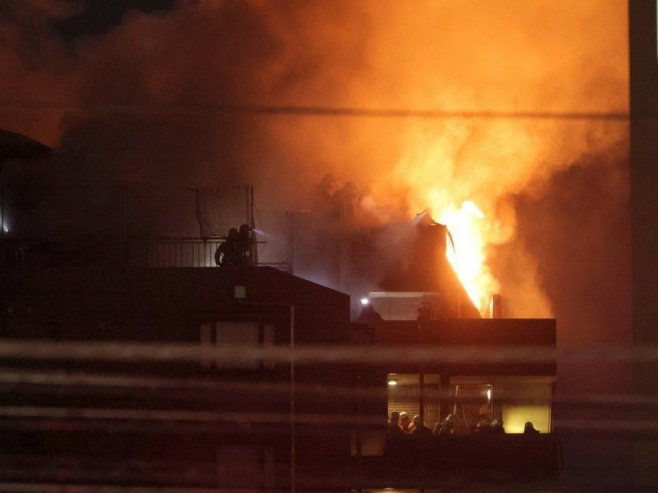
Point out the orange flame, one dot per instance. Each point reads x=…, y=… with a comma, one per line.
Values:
x=468, y=256
x=447, y=171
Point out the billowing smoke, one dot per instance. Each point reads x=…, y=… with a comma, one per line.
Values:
x=144, y=104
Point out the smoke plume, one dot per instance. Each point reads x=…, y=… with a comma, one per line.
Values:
x=144, y=104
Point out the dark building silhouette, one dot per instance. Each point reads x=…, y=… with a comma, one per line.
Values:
x=141, y=362
x=17, y=146
x=423, y=272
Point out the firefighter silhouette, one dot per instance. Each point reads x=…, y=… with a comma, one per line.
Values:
x=234, y=250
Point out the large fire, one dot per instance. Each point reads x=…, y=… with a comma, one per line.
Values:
x=468, y=253
x=462, y=59
x=450, y=171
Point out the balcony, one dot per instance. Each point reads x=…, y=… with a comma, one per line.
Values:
x=163, y=252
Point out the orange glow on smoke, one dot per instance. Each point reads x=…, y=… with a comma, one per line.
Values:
x=453, y=174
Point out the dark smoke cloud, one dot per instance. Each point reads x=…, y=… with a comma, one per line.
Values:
x=198, y=56
x=91, y=17
x=579, y=232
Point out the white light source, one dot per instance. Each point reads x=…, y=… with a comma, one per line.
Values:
x=392, y=382
x=489, y=394
x=365, y=301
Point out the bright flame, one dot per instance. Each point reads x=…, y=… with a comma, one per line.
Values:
x=468, y=256
x=454, y=170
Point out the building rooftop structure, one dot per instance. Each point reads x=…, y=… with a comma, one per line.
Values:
x=126, y=366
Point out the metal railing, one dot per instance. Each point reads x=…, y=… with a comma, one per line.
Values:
x=184, y=252
x=174, y=252
x=159, y=252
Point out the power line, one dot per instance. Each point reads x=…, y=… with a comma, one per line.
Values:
x=327, y=111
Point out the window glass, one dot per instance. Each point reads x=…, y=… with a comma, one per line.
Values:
x=405, y=394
